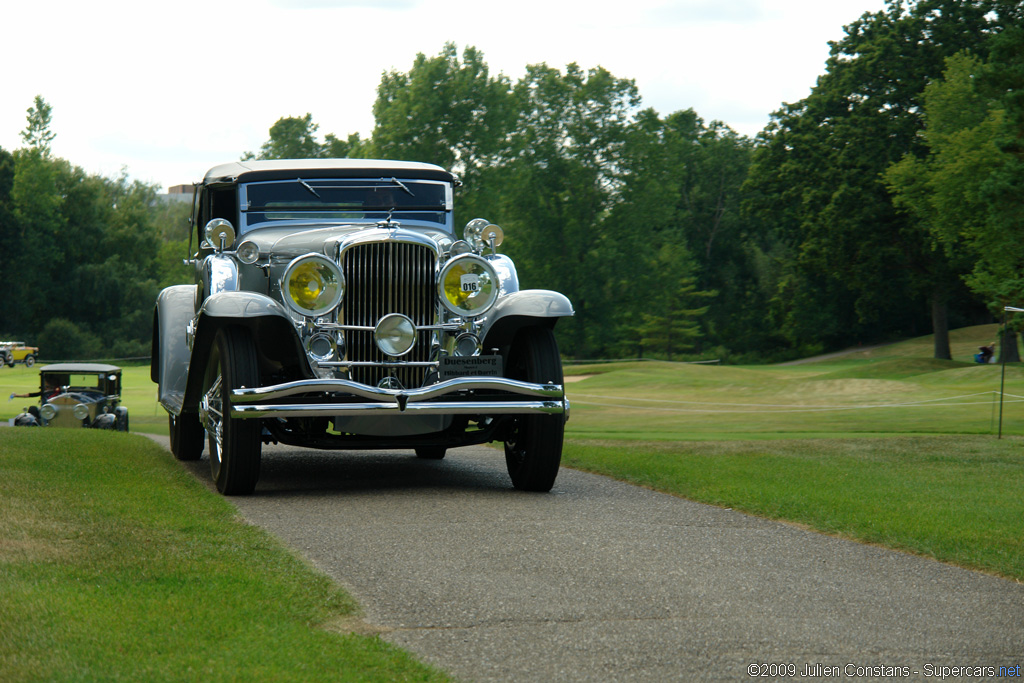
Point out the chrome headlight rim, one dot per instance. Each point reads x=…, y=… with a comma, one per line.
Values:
x=80, y=411
x=322, y=347
x=468, y=261
x=48, y=411
x=326, y=304
x=247, y=252
x=466, y=345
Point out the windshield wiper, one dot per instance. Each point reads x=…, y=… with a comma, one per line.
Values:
x=308, y=187
x=398, y=182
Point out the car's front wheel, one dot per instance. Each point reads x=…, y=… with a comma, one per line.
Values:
x=234, y=443
x=534, y=449
x=30, y=361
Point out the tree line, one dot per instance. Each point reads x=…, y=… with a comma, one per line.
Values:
x=82, y=257
x=886, y=203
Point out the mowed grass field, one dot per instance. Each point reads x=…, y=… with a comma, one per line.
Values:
x=117, y=565
x=884, y=445
x=894, y=389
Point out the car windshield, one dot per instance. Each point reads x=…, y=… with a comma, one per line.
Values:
x=345, y=200
x=81, y=381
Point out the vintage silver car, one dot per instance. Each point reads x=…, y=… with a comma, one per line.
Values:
x=77, y=395
x=335, y=307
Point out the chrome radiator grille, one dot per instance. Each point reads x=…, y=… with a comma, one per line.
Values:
x=382, y=278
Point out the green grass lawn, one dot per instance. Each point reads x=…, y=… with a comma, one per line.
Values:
x=115, y=564
x=896, y=389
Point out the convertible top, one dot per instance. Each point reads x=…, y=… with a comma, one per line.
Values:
x=283, y=169
x=72, y=368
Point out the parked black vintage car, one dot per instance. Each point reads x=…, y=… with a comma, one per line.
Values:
x=77, y=395
x=335, y=307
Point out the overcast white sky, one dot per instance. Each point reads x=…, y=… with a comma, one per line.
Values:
x=167, y=90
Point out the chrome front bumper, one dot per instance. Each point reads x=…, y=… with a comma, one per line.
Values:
x=546, y=399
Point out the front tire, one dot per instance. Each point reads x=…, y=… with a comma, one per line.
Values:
x=234, y=443
x=533, y=452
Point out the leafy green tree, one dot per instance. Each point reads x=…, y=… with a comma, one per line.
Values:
x=83, y=249
x=295, y=137
x=352, y=147
x=37, y=133
x=291, y=137
x=10, y=243
x=33, y=271
x=862, y=269
x=562, y=179
x=944, y=190
x=451, y=112
x=998, y=273
x=61, y=339
x=670, y=323
x=967, y=188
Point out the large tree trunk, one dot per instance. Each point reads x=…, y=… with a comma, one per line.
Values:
x=1008, y=351
x=940, y=326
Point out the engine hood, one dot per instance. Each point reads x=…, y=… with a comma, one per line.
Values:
x=286, y=243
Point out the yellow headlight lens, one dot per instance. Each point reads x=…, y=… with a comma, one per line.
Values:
x=312, y=285
x=468, y=285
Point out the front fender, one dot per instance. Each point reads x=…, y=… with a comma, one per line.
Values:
x=175, y=308
x=523, y=309
x=268, y=322
x=241, y=305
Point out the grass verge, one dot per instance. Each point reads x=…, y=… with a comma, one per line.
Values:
x=953, y=498
x=115, y=564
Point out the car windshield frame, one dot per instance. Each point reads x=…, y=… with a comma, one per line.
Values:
x=305, y=200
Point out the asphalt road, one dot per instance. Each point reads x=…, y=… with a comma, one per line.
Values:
x=601, y=580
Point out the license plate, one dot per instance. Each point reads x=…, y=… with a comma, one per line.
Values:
x=470, y=366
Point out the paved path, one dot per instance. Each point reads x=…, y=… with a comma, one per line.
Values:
x=601, y=580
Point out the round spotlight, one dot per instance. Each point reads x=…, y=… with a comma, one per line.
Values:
x=466, y=344
x=247, y=252
x=321, y=347
x=395, y=334
x=48, y=411
x=312, y=285
x=461, y=247
x=80, y=411
x=472, y=231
